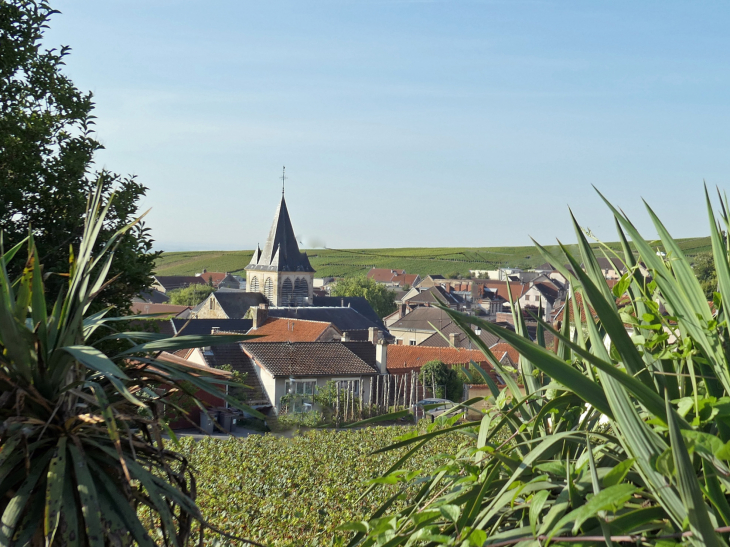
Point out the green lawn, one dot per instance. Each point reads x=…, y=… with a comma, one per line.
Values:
x=346, y=262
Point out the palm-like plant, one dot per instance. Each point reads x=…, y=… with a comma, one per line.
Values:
x=82, y=455
x=621, y=434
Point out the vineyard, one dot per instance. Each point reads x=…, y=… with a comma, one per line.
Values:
x=296, y=491
x=422, y=261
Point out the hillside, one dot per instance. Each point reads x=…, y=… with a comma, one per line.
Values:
x=423, y=261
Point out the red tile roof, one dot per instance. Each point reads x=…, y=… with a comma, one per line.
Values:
x=290, y=330
x=414, y=357
x=500, y=287
x=501, y=348
x=384, y=275
x=216, y=277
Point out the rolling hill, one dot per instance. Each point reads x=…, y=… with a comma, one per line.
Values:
x=423, y=261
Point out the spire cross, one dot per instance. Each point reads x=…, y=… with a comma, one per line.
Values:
x=283, y=178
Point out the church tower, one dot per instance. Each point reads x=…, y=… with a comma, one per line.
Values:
x=280, y=271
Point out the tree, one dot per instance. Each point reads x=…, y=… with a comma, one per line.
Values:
x=192, y=295
x=378, y=296
x=704, y=267
x=46, y=162
x=448, y=385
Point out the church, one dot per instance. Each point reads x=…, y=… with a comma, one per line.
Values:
x=281, y=272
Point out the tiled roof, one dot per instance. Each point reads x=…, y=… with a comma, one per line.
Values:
x=235, y=304
x=503, y=347
x=364, y=350
x=384, y=275
x=345, y=319
x=206, y=326
x=420, y=318
x=152, y=296
x=359, y=303
x=400, y=357
x=307, y=359
x=232, y=354
x=579, y=300
x=500, y=287
x=213, y=277
x=610, y=264
x=146, y=308
x=462, y=340
x=434, y=295
x=406, y=279
x=290, y=330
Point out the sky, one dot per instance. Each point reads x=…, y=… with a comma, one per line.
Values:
x=406, y=123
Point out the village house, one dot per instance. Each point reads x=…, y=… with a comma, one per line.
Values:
x=277, y=329
x=276, y=369
x=227, y=304
x=393, y=278
x=418, y=324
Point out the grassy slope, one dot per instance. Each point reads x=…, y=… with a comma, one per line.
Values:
x=423, y=261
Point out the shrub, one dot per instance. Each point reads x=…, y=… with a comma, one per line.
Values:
x=448, y=384
x=192, y=295
x=622, y=435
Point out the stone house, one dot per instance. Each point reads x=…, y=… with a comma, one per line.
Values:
x=224, y=304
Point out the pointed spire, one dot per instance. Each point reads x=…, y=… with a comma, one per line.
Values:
x=281, y=252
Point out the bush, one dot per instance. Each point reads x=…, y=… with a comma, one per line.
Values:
x=378, y=296
x=192, y=295
x=448, y=383
x=624, y=433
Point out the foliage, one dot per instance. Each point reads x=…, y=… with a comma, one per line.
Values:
x=81, y=432
x=704, y=267
x=237, y=390
x=448, y=382
x=313, y=418
x=192, y=295
x=296, y=491
x=377, y=295
x=46, y=155
x=620, y=433
x=422, y=261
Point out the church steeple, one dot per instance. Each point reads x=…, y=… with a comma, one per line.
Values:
x=281, y=251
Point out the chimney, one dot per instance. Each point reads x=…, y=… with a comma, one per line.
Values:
x=373, y=335
x=342, y=302
x=345, y=336
x=381, y=356
x=403, y=308
x=214, y=330
x=447, y=286
x=452, y=339
x=260, y=315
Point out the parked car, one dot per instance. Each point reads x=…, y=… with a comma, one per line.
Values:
x=444, y=406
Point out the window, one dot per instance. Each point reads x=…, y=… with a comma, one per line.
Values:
x=411, y=342
x=211, y=303
x=301, y=292
x=527, y=297
x=287, y=290
x=254, y=284
x=269, y=290
x=299, y=395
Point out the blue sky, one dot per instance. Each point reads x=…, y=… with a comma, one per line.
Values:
x=406, y=123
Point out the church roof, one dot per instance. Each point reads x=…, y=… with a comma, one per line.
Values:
x=281, y=252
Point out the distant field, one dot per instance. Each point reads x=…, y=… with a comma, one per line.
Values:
x=423, y=261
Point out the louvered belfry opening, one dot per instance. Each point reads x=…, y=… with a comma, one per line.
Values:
x=287, y=293
x=269, y=290
x=254, y=284
x=301, y=291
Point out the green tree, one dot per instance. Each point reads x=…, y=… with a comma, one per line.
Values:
x=447, y=381
x=704, y=267
x=192, y=295
x=378, y=296
x=46, y=162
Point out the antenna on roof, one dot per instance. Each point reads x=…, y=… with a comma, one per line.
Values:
x=283, y=178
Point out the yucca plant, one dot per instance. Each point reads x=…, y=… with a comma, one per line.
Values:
x=82, y=457
x=619, y=434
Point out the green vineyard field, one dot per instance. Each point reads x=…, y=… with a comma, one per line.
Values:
x=348, y=262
